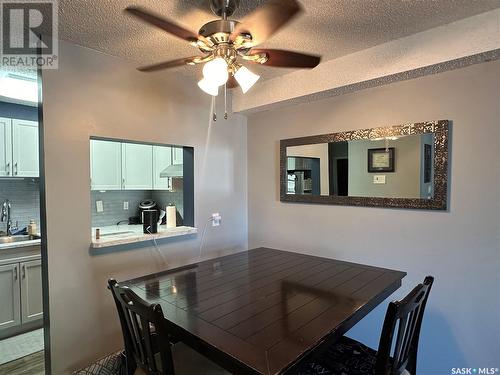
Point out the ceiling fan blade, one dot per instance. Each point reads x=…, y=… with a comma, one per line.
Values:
x=287, y=59
x=164, y=24
x=266, y=20
x=166, y=64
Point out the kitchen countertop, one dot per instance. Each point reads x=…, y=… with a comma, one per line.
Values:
x=20, y=252
x=114, y=235
x=14, y=245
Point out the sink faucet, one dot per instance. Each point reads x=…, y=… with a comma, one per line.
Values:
x=6, y=215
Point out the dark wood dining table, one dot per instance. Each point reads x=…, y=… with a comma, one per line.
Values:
x=262, y=310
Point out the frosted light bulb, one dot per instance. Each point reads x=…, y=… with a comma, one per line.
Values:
x=246, y=79
x=215, y=71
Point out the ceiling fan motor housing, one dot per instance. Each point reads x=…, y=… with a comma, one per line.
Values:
x=218, y=31
x=223, y=8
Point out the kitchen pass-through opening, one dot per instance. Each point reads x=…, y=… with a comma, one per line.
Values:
x=139, y=191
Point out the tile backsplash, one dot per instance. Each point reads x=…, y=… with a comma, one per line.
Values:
x=113, y=204
x=24, y=197
x=164, y=198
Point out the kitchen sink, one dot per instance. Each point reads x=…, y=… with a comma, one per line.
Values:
x=17, y=238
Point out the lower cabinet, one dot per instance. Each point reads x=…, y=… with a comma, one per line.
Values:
x=10, y=295
x=31, y=291
x=20, y=293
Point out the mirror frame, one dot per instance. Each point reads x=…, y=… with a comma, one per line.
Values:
x=440, y=129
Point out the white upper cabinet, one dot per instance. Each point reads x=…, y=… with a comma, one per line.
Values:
x=137, y=166
x=132, y=166
x=177, y=153
x=105, y=165
x=162, y=158
x=5, y=147
x=25, y=148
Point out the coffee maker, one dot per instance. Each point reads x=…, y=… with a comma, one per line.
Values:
x=150, y=221
x=146, y=205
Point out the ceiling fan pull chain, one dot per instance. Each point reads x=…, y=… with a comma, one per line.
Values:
x=225, y=101
x=214, y=114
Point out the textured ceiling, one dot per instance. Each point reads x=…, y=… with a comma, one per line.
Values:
x=331, y=28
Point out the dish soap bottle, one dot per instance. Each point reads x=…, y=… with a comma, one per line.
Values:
x=32, y=228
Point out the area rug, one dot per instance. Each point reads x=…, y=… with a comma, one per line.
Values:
x=16, y=347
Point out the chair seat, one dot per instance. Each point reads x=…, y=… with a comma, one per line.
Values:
x=345, y=357
x=112, y=364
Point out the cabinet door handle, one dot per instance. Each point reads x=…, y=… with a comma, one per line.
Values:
x=7, y=168
x=123, y=183
x=15, y=169
x=24, y=271
x=15, y=273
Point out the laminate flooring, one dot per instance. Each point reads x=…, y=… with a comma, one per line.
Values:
x=33, y=364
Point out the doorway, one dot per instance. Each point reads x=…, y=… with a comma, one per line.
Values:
x=338, y=168
x=343, y=176
x=23, y=264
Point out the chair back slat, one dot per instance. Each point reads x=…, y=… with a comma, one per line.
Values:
x=410, y=332
x=400, y=337
x=146, y=328
x=131, y=331
x=141, y=342
x=403, y=321
x=136, y=332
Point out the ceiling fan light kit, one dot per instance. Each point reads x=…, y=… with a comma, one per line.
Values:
x=215, y=71
x=225, y=43
x=208, y=87
x=245, y=78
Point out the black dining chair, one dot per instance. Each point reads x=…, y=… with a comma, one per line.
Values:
x=397, y=351
x=147, y=341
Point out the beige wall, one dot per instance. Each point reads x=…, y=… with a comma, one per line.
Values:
x=459, y=247
x=319, y=151
x=94, y=94
x=404, y=182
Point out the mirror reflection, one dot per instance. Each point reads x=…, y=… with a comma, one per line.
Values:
x=391, y=167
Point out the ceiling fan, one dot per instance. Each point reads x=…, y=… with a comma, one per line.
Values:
x=225, y=43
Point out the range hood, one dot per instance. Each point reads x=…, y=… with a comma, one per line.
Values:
x=174, y=170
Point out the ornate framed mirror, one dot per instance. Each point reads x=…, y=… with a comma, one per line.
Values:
x=403, y=166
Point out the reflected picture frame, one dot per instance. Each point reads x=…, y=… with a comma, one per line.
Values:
x=381, y=160
x=440, y=156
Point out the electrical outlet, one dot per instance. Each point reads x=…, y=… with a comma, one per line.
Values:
x=216, y=219
x=125, y=205
x=99, y=206
x=379, y=179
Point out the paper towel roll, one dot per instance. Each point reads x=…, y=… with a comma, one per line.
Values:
x=171, y=217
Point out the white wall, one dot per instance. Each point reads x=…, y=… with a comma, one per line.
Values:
x=461, y=247
x=95, y=94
